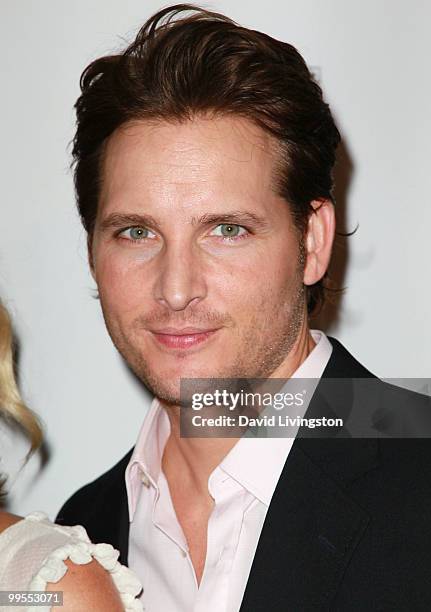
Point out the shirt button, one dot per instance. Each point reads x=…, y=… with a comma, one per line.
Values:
x=183, y=553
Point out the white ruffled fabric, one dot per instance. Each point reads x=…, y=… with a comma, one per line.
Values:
x=80, y=550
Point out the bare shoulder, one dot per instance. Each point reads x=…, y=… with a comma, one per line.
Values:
x=7, y=520
x=87, y=587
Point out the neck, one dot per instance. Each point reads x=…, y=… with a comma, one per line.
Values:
x=196, y=458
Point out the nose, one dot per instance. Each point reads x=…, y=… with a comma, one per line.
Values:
x=180, y=281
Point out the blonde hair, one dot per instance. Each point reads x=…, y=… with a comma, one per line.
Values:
x=12, y=407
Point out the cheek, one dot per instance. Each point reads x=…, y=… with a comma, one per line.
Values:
x=257, y=284
x=121, y=283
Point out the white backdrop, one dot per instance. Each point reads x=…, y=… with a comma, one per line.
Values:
x=373, y=60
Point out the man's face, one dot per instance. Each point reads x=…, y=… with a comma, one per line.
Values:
x=191, y=234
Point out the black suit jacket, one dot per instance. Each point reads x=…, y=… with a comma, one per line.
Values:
x=348, y=527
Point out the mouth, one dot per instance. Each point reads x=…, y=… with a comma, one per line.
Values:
x=182, y=338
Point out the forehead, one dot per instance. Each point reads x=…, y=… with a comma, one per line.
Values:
x=228, y=154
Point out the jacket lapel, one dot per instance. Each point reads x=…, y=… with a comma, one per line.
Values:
x=310, y=532
x=312, y=525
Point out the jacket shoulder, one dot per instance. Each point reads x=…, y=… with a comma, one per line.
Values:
x=342, y=364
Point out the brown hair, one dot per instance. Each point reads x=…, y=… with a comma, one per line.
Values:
x=12, y=408
x=187, y=61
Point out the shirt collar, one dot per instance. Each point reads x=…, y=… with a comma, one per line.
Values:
x=255, y=463
x=146, y=461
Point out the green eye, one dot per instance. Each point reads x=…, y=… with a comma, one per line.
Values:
x=137, y=233
x=229, y=230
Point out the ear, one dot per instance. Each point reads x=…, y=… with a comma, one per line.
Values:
x=318, y=241
x=90, y=255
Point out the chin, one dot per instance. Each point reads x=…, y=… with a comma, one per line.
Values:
x=166, y=384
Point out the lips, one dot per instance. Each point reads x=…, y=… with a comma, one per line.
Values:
x=182, y=338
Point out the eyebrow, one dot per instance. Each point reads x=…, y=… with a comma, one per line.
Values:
x=119, y=220
x=234, y=216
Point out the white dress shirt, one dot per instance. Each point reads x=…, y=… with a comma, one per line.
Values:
x=242, y=486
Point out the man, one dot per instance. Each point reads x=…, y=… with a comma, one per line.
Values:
x=204, y=158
